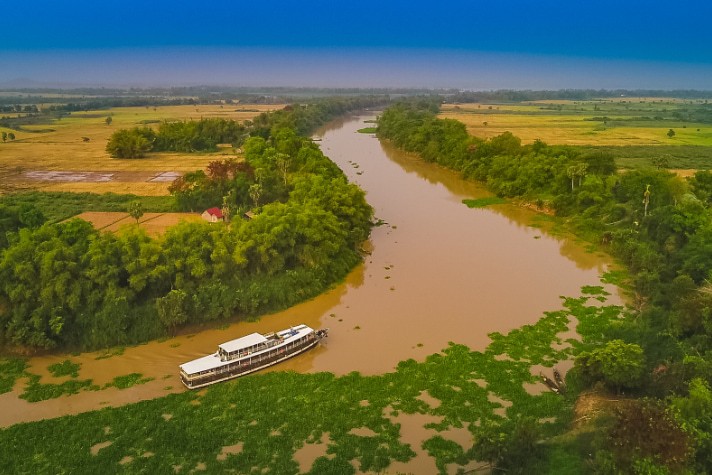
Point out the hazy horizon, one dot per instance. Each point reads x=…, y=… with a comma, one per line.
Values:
x=473, y=44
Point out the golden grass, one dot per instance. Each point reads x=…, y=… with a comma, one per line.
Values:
x=102, y=219
x=155, y=224
x=567, y=127
x=66, y=149
x=122, y=188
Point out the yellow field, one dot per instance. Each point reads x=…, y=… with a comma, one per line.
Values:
x=154, y=223
x=568, y=127
x=66, y=148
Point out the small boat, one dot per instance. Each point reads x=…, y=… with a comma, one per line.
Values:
x=248, y=354
x=559, y=381
x=550, y=383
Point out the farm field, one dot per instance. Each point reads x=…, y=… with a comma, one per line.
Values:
x=69, y=154
x=611, y=122
x=155, y=224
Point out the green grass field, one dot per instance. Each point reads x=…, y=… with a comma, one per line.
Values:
x=634, y=130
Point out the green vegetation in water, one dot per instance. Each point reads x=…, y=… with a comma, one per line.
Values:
x=483, y=202
x=65, y=368
x=10, y=370
x=367, y=130
x=272, y=415
x=36, y=391
x=617, y=277
x=124, y=382
x=595, y=290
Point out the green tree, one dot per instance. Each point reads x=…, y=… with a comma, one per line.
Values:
x=617, y=364
x=108, y=120
x=701, y=184
x=135, y=210
x=171, y=309
x=510, y=445
x=643, y=430
x=695, y=410
x=4, y=136
x=697, y=255
x=188, y=250
x=194, y=191
x=131, y=143
x=143, y=263
x=11, y=136
x=43, y=280
x=670, y=133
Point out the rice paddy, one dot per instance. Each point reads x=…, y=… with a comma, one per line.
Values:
x=611, y=122
x=155, y=224
x=75, y=145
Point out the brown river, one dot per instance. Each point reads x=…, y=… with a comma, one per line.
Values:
x=437, y=272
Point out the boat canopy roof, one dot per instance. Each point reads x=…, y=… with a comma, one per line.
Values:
x=243, y=342
x=202, y=364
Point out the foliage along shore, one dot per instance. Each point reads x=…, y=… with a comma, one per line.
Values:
x=67, y=285
x=660, y=226
x=261, y=421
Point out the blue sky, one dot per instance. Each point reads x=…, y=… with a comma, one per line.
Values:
x=465, y=44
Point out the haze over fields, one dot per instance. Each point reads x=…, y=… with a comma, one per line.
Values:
x=520, y=44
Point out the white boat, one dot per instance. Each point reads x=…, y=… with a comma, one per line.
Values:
x=248, y=354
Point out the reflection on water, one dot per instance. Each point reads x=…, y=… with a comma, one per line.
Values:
x=438, y=272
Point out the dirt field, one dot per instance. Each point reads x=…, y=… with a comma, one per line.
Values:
x=76, y=144
x=155, y=224
x=570, y=122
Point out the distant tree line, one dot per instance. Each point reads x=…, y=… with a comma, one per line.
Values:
x=304, y=118
x=111, y=102
x=513, y=95
x=18, y=108
x=187, y=136
x=68, y=285
x=660, y=226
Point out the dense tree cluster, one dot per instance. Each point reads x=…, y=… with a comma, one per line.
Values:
x=14, y=217
x=305, y=118
x=187, y=136
x=560, y=175
x=658, y=224
x=131, y=143
x=69, y=285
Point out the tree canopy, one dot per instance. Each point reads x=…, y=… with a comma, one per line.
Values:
x=99, y=289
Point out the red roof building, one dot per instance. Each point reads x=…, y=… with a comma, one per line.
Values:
x=212, y=215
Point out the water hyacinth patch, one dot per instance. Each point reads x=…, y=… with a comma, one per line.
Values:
x=275, y=414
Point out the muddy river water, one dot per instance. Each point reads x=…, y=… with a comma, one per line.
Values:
x=437, y=272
